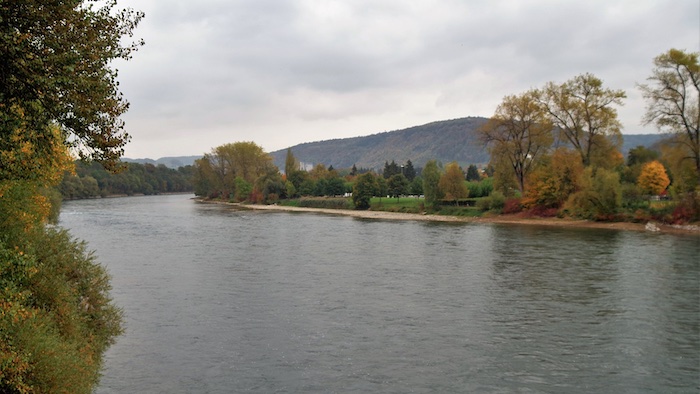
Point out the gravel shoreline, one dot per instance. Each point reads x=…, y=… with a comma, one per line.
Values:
x=499, y=219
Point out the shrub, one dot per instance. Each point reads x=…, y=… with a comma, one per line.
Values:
x=543, y=212
x=687, y=210
x=512, y=205
x=56, y=316
x=494, y=202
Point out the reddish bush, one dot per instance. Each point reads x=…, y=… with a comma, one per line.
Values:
x=641, y=216
x=256, y=197
x=512, y=205
x=688, y=210
x=543, y=212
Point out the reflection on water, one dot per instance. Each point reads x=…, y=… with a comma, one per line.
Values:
x=221, y=301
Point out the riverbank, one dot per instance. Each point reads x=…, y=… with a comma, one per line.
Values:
x=497, y=219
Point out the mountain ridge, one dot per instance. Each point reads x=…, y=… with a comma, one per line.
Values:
x=445, y=141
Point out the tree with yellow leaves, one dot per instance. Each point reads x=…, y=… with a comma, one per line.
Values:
x=653, y=178
x=452, y=183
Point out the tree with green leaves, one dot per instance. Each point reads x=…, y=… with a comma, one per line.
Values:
x=673, y=100
x=416, y=186
x=473, y=173
x=582, y=110
x=431, y=184
x=56, y=68
x=408, y=171
x=599, y=197
x=390, y=169
x=363, y=190
x=397, y=185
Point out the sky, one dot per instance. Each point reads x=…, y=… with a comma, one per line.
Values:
x=280, y=73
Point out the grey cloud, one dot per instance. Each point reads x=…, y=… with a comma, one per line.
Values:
x=254, y=67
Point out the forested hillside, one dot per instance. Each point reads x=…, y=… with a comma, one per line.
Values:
x=449, y=140
x=444, y=141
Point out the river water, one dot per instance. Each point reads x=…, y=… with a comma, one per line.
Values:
x=222, y=301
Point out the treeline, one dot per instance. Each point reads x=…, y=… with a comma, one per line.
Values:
x=556, y=149
x=242, y=172
x=92, y=180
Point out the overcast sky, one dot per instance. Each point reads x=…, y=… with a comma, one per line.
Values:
x=281, y=73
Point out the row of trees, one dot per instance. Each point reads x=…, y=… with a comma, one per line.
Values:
x=92, y=180
x=58, y=98
x=243, y=172
x=558, y=146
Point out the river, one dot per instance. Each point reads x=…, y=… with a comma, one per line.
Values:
x=218, y=300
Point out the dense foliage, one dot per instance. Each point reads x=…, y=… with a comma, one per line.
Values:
x=584, y=174
x=56, y=316
x=55, y=68
x=92, y=180
x=57, y=91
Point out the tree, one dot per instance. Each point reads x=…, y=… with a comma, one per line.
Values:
x=416, y=187
x=600, y=195
x=382, y=187
x=364, y=190
x=409, y=172
x=653, y=178
x=452, y=183
x=431, y=184
x=473, y=173
x=397, y=185
x=641, y=155
x=215, y=174
x=636, y=158
x=674, y=155
x=581, y=108
x=291, y=163
x=519, y=133
x=319, y=172
x=551, y=184
x=335, y=187
x=55, y=68
x=390, y=169
x=673, y=100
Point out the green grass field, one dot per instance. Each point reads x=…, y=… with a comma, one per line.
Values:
x=403, y=204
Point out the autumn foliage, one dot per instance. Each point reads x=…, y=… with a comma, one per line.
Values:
x=653, y=178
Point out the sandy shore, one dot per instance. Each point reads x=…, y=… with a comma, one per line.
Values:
x=505, y=219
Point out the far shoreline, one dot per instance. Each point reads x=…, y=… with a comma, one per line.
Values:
x=496, y=219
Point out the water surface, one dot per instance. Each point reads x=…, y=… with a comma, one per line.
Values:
x=221, y=301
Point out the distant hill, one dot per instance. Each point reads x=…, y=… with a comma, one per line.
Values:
x=170, y=162
x=632, y=141
x=445, y=141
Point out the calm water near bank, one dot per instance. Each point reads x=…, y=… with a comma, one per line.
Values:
x=222, y=301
